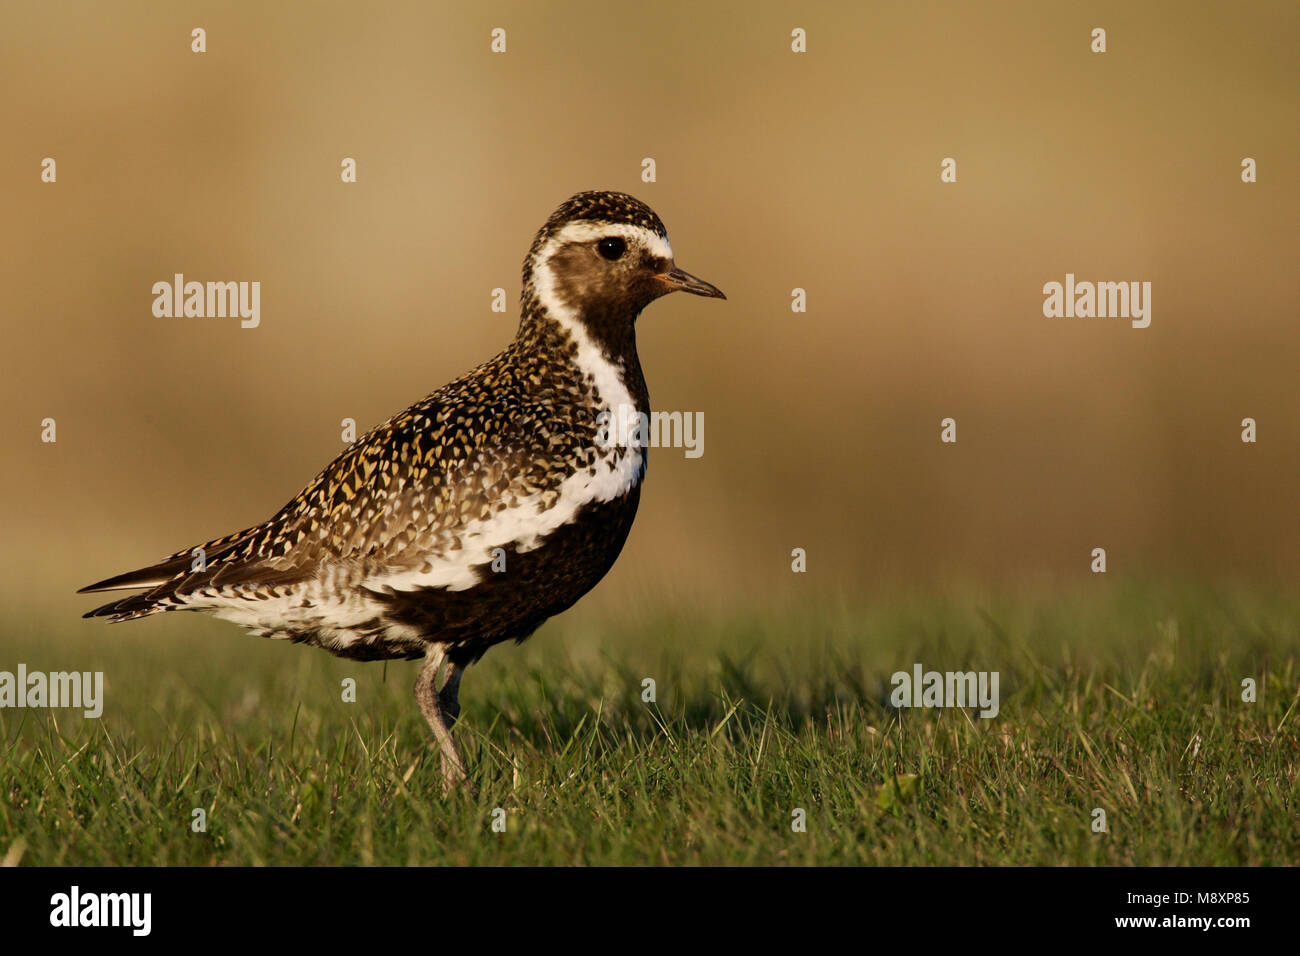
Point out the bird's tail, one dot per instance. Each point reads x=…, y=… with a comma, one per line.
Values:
x=167, y=582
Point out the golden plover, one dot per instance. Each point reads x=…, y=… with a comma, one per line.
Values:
x=477, y=513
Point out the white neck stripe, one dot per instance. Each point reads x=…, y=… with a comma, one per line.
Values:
x=605, y=374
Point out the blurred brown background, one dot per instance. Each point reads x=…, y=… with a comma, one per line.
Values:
x=775, y=170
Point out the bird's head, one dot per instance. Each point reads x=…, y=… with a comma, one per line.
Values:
x=600, y=259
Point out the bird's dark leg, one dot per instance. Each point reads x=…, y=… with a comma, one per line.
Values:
x=449, y=695
x=430, y=701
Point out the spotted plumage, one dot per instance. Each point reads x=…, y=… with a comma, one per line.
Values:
x=477, y=513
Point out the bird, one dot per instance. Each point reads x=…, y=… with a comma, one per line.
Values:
x=482, y=510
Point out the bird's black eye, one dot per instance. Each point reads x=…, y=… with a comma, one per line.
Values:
x=612, y=247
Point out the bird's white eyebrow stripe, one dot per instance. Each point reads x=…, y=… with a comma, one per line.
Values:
x=584, y=230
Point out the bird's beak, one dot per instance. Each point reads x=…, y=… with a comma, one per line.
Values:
x=680, y=280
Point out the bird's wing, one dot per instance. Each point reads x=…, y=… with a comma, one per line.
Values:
x=401, y=495
x=412, y=485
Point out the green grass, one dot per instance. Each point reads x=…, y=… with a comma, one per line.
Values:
x=1125, y=700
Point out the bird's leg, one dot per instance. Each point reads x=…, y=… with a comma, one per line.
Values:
x=448, y=696
x=449, y=700
x=426, y=695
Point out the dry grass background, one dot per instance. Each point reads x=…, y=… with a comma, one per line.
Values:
x=775, y=171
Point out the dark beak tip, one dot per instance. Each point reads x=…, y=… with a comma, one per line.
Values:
x=681, y=281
